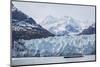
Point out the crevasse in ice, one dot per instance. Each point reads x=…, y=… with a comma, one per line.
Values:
x=54, y=46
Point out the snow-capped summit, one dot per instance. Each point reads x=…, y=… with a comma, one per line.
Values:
x=61, y=26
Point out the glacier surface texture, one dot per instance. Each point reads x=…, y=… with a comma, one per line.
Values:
x=55, y=46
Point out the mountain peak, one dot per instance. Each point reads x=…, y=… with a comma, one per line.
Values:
x=90, y=30
x=93, y=25
x=13, y=7
x=60, y=26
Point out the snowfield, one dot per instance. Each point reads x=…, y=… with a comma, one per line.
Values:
x=55, y=46
x=61, y=26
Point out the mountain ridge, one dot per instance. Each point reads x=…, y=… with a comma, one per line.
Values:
x=90, y=30
x=25, y=27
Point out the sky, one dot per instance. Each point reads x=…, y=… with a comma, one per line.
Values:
x=39, y=11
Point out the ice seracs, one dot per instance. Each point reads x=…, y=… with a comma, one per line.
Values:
x=67, y=46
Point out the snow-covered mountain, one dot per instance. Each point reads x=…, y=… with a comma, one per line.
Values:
x=25, y=27
x=90, y=30
x=61, y=26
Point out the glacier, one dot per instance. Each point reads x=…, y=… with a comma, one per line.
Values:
x=54, y=46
